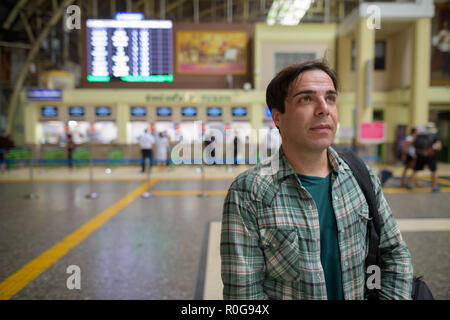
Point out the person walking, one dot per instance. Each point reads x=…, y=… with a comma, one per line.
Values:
x=70, y=148
x=295, y=226
x=146, y=142
x=162, y=148
x=409, y=156
x=426, y=144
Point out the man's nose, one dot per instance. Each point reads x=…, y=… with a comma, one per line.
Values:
x=322, y=108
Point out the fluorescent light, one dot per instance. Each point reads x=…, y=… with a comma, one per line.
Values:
x=287, y=12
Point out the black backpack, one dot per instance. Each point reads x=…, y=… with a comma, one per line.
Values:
x=420, y=290
x=423, y=141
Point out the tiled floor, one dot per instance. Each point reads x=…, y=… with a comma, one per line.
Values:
x=128, y=247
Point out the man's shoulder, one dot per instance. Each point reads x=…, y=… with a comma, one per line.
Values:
x=255, y=184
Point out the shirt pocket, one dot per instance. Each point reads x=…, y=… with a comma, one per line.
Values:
x=281, y=250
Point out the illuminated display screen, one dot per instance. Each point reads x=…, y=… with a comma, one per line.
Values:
x=214, y=111
x=49, y=111
x=239, y=111
x=138, y=111
x=76, y=111
x=164, y=111
x=129, y=50
x=189, y=111
x=103, y=111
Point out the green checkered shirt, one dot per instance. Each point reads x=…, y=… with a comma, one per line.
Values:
x=270, y=241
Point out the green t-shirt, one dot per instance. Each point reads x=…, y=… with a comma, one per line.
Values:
x=319, y=188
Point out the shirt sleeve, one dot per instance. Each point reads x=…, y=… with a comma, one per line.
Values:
x=395, y=258
x=242, y=257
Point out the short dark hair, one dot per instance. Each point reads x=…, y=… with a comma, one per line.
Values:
x=279, y=86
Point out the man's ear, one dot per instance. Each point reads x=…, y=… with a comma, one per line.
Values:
x=276, y=117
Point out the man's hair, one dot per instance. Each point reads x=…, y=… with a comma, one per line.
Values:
x=278, y=88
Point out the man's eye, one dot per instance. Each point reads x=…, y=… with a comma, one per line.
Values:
x=305, y=99
x=331, y=98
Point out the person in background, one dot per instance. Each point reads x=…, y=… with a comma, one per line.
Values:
x=70, y=148
x=5, y=145
x=409, y=156
x=146, y=141
x=295, y=226
x=162, y=148
x=427, y=144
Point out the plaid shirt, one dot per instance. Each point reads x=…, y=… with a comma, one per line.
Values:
x=270, y=241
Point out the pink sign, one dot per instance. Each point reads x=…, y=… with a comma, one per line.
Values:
x=372, y=131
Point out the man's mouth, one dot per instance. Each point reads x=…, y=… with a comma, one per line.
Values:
x=321, y=128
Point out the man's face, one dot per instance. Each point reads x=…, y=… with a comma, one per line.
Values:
x=310, y=119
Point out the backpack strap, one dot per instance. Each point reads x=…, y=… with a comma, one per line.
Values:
x=362, y=176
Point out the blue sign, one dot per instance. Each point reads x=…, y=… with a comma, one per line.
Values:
x=164, y=111
x=103, y=111
x=44, y=94
x=214, y=111
x=239, y=111
x=49, y=111
x=138, y=111
x=268, y=113
x=189, y=111
x=128, y=16
x=76, y=111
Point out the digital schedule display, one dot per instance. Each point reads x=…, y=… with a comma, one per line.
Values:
x=103, y=111
x=76, y=111
x=239, y=111
x=138, y=111
x=214, y=111
x=129, y=50
x=49, y=111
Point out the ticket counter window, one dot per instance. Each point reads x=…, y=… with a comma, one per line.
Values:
x=79, y=131
x=212, y=127
x=190, y=131
x=53, y=132
x=137, y=129
x=168, y=127
x=105, y=132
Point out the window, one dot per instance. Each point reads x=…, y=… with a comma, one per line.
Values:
x=379, y=56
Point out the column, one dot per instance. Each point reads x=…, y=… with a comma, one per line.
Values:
x=122, y=119
x=420, y=72
x=365, y=50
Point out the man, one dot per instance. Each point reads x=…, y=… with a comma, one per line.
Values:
x=427, y=144
x=409, y=156
x=299, y=232
x=146, y=141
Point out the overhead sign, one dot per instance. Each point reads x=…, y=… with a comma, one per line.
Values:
x=44, y=94
x=372, y=132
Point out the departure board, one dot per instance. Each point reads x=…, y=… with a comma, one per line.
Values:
x=129, y=50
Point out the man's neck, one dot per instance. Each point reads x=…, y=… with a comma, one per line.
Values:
x=309, y=163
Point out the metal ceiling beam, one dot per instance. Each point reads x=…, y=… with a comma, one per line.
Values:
x=27, y=27
x=12, y=105
x=13, y=14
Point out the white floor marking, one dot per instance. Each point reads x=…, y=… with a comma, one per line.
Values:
x=213, y=281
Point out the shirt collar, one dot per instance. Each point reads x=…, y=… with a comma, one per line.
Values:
x=286, y=169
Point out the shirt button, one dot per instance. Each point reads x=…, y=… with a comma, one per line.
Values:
x=346, y=263
x=319, y=277
x=336, y=198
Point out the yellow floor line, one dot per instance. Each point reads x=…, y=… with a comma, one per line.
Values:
x=439, y=180
x=18, y=280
